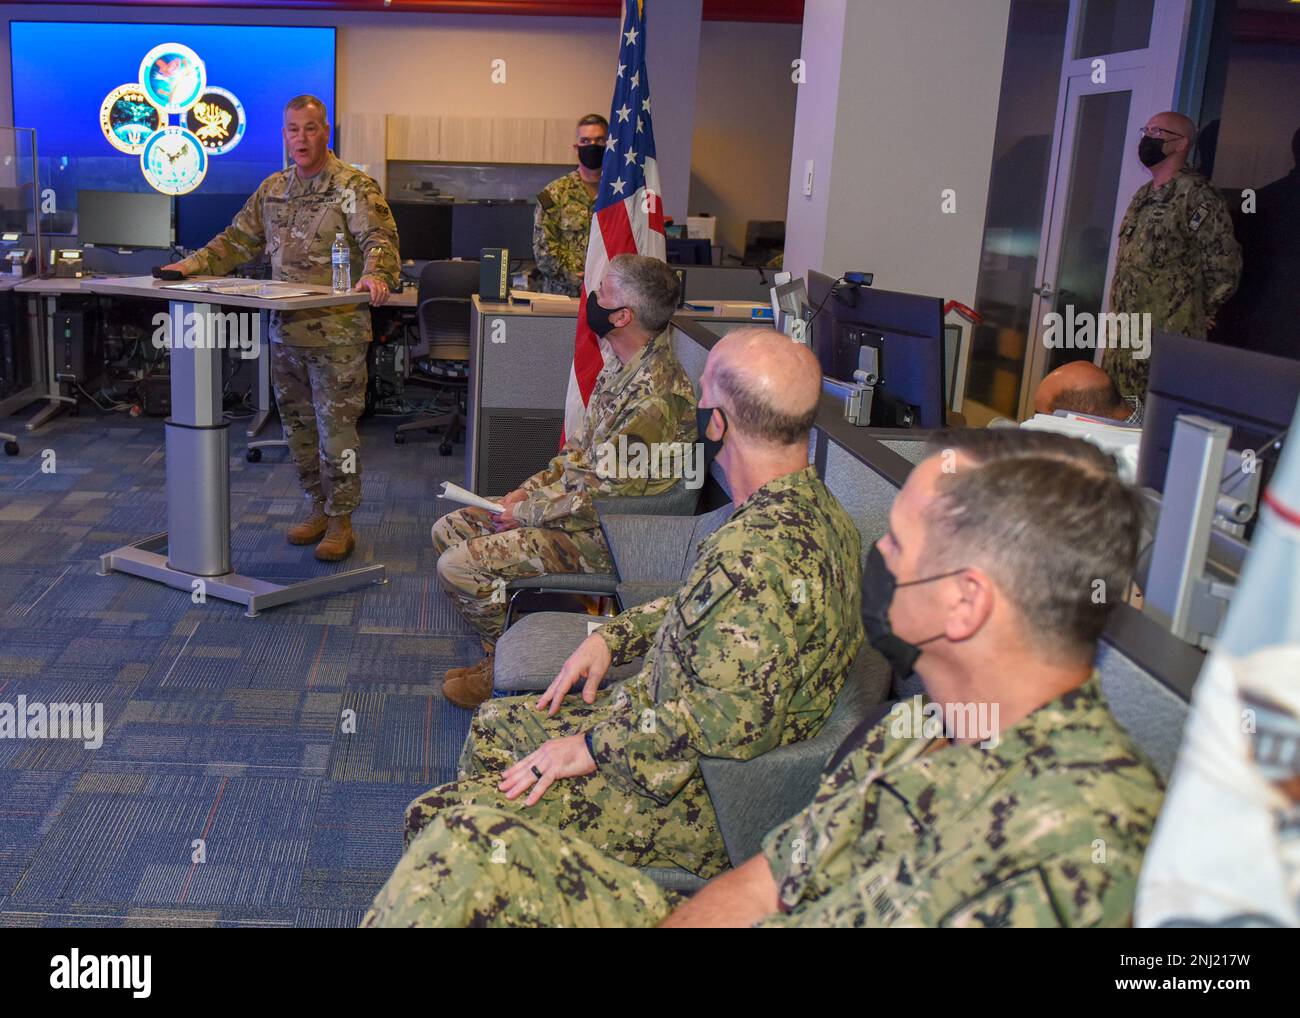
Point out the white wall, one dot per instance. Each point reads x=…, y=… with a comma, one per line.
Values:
x=911, y=112
x=808, y=216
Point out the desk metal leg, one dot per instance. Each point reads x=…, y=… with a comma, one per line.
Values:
x=58, y=401
x=148, y=559
x=194, y=553
x=265, y=404
x=263, y=411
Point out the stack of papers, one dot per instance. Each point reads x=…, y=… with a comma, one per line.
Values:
x=455, y=493
x=244, y=288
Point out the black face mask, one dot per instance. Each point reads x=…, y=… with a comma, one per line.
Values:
x=591, y=156
x=598, y=317
x=712, y=446
x=878, y=586
x=1151, y=151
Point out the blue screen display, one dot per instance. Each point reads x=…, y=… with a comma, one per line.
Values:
x=62, y=72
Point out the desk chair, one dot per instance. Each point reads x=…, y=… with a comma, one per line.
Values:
x=678, y=503
x=443, y=315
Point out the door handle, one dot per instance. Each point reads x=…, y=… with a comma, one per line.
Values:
x=1047, y=293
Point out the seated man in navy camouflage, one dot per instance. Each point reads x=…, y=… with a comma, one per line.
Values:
x=1009, y=797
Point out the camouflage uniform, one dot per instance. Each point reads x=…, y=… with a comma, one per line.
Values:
x=1177, y=260
x=561, y=229
x=902, y=832
x=750, y=654
x=318, y=357
x=649, y=401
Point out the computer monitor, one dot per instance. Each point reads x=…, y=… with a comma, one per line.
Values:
x=479, y=224
x=124, y=219
x=1253, y=393
x=905, y=329
x=688, y=251
x=200, y=217
x=424, y=230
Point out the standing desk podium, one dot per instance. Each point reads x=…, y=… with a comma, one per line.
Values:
x=194, y=552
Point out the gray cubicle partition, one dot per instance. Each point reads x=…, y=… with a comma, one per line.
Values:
x=519, y=373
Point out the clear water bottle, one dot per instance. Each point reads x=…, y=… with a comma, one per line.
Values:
x=342, y=262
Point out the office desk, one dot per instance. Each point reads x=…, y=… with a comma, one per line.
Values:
x=194, y=552
x=46, y=385
x=407, y=299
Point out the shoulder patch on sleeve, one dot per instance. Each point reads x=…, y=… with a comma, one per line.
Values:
x=706, y=595
x=545, y=200
x=1022, y=900
x=1198, y=217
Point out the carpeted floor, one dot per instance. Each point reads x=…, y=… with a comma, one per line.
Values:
x=226, y=791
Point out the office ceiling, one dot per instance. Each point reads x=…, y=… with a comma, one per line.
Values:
x=787, y=11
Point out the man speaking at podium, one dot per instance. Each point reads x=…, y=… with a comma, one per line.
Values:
x=318, y=357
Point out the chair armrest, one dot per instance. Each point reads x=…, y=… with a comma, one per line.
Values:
x=591, y=584
x=595, y=584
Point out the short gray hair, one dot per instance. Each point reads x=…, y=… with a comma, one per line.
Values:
x=1007, y=512
x=647, y=286
x=299, y=102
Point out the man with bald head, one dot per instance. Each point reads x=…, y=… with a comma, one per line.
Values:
x=1177, y=259
x=1083, y=388
x=750, y=654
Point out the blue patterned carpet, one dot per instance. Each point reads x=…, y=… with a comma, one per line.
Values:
x=226, y=791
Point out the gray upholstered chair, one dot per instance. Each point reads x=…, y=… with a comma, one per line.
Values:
x=652, y=554
x=750, y=796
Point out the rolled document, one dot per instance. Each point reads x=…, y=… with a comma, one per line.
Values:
x=456, y=493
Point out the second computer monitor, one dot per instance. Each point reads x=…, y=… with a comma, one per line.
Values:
x=476, y=225
x=124, y=219
x=1253, y=393
x=424, y=229
x=906, y=330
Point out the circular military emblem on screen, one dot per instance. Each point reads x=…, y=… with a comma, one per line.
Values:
x=217, y=120
x=173, y=77
x=128, y=117
x=173, y=161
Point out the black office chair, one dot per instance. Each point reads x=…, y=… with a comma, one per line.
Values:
x=443, y=315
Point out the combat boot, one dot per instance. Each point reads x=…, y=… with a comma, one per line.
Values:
x=338, y=541
x=312, y=529
x=469, y=687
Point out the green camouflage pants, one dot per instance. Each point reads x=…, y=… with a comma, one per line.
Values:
x=475, y=562
x=477, y=866
x=629, y=827
x=321, y=391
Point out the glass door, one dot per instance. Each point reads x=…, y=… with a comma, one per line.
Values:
x=1123, y=63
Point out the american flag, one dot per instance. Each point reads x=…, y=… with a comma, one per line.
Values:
x=629, y=213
